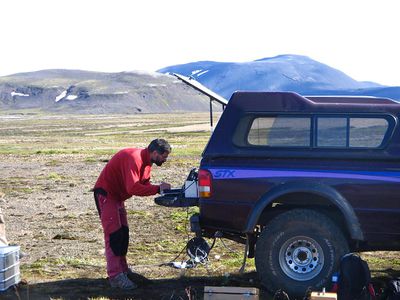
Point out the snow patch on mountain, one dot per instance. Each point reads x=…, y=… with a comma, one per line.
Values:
x=61, y=96
x=156, y=84
x=71, y=97
x=202, y=73
x=19, y=94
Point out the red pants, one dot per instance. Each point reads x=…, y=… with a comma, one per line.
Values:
x=116, y=232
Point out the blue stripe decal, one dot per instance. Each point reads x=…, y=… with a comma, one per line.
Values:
x=223, y=173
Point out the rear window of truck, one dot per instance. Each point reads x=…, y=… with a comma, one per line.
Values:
x=318, y=131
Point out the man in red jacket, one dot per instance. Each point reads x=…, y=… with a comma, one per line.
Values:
x=127, y=174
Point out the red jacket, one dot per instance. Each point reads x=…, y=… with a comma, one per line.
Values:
x=127, y=174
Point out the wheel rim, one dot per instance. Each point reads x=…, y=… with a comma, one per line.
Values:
x=301, y=258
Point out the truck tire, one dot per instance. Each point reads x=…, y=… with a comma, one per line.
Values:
x=298, y=249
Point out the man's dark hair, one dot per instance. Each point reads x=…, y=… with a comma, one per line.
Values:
x=159, y=145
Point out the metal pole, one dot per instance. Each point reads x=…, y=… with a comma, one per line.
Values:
x=211, y=114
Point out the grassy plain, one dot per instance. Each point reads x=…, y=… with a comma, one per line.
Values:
x=48, y=165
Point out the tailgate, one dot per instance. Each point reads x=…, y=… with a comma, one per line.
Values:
x=184, y=197
x=176, y=198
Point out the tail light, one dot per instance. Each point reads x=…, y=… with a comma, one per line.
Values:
x=205, y=183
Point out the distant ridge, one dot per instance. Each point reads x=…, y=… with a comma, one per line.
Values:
x=288, y=72
x=76, y=91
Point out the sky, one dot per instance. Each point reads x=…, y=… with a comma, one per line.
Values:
x=357, y=37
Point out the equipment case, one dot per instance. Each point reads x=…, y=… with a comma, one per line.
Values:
x=9, y=266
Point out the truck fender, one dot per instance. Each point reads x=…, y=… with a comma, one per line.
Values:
x=325, y=191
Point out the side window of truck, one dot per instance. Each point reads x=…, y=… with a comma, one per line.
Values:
x=328, y=132
x=280, y=131
x=350, y=132
x=366, y=132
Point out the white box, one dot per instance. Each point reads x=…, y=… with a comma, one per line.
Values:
x=323, y=296
x=191, y=189
x=9, y=266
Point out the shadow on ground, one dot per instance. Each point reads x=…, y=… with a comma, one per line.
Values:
x=171, y=289
x=165, y=289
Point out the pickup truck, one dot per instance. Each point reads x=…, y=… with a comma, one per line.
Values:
x=301, y=181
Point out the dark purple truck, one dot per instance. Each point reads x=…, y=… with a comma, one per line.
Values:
x=301, y=181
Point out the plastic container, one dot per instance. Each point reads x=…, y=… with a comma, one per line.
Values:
x=9, y=266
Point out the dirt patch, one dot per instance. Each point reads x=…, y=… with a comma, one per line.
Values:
x=50, y=213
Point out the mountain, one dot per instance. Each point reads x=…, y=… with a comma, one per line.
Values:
x=75, y=91
x=295, y=73
x=84, y=92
